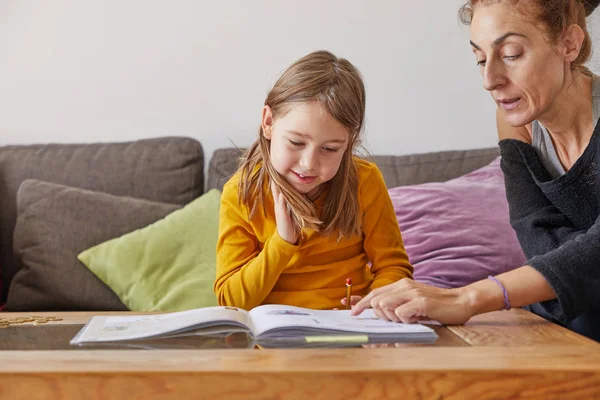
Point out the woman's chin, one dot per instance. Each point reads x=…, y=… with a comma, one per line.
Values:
x=517, y=120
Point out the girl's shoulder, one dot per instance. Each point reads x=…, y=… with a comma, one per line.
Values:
x=233, y=183
x=365, y=168
x=236, y=178
x=368, y=173
x=363, y=165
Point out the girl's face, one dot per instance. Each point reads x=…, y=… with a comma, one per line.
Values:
x=307, y=145
x=523, y=72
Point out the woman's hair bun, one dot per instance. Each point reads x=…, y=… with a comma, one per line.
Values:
x=590, y=6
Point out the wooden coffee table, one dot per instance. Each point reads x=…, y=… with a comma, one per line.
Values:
x=505, y=354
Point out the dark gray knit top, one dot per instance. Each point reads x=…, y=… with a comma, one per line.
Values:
x=557, y=224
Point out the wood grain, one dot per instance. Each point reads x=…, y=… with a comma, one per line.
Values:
x=302, y=386
x=536, y=358
x=516, y=327
x=452, y=373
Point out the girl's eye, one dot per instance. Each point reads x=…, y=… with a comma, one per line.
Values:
x=330, y=150
x=294, y=143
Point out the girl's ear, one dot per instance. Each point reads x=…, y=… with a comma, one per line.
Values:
x=267, y=122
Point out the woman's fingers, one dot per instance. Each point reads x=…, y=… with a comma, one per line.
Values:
x=389, y=314
x=366, y=301
x=380, y=314
x=361, y=306
x=408, y=312
x=409, y=301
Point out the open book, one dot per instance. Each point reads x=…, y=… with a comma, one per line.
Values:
x=267, y=325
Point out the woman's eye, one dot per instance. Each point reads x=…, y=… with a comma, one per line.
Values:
x=330, y=150
x=294, y=143
x=481, y=63
x=510, y=58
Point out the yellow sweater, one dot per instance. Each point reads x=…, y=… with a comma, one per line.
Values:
x=256, y=266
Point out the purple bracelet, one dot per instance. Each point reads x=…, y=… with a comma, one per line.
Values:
x=504, y=292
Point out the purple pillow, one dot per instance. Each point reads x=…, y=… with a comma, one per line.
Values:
x=458, y=232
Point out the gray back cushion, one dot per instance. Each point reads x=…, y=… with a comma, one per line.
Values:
x=432, y=167
x=397, y=170
x=55, y=223
x=166, y=170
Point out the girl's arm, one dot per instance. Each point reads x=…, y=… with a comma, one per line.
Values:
x=382, y=239
x=246, y=274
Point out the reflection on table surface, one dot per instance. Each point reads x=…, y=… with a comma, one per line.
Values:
x=57, y=337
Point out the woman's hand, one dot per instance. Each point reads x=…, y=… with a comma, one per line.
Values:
x=409, y=301
x=283, y=219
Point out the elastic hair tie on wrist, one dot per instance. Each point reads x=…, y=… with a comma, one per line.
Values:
x=504, y=292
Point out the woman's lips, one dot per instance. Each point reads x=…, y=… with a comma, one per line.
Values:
x=509, y=104
x=304, y=178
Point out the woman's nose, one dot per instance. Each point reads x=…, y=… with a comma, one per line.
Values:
x=493, y=76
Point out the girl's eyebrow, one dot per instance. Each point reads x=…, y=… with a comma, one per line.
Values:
x=307, y=136
x=499, y=40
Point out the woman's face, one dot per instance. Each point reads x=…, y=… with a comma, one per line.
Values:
x=521, y=69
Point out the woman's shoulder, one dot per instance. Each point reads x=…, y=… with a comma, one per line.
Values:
x=506, y=131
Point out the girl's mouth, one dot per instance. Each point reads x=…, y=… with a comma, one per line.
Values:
x=304, y=178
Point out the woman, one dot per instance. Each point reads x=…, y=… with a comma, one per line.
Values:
x=531, y=55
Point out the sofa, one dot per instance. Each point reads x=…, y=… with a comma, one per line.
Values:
x=153, y=177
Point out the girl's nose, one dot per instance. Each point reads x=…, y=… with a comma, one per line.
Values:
x=309, y=161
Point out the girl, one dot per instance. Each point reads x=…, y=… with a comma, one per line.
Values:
x=302, y=213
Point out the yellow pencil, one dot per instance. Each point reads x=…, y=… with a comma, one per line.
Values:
x=348, y=292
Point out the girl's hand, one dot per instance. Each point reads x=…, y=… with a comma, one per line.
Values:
x=285, y=228
x=409, y=301
x=353, y=300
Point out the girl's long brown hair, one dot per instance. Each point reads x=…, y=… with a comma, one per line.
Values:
x=338, y=86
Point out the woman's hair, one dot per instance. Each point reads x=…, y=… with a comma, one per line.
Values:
x=555, y=16
x=338, y=87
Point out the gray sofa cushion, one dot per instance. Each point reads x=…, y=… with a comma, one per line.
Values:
x=397, y=170
x=55, y=223
x=222, y=165
x=432, y=167
x=169, y=170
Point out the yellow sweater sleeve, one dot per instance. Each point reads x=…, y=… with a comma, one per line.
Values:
x=382, y=238
x=245, y=273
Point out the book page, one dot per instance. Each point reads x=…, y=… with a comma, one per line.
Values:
x=131, y=327
x=296, y=319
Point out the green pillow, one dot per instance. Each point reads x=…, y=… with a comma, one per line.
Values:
x=168, y=265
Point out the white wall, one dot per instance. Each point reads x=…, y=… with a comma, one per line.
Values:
x=114, y=70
